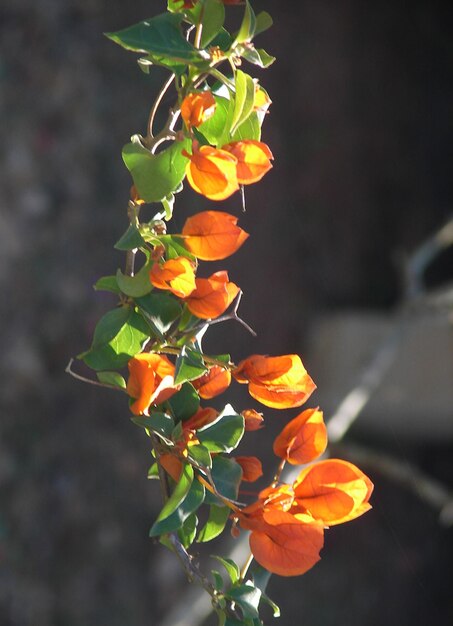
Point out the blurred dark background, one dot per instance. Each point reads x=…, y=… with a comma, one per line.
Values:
x=361, y=130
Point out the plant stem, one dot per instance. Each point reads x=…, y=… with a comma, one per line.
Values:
x=278, y=473
x=97, y=383
x=247, y=564
x=152, y=113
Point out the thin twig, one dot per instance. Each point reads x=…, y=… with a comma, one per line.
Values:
x=234, y=316
x=431, y=491
x=152, y=113
x=90, y=381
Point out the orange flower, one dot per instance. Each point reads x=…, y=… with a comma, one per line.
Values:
x=303, y=439
x=280, y=542
x=211, y=172
x=213, y=235
x=212, y=296
x=151, y=381
x=213, y=383
x=175, y=275
x=332, y=492
x=253, y=159
x=279, y=382
x=252, y=420
x=200, y=419
x=251, y=468
x=197, y=107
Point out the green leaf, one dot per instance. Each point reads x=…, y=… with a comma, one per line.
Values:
x=247, y=597
x=168, y=204
x=130, y=240
x=153, y=472
x=250, y=129
x=109, y=325
x=213, y=18
x=225, y=433
x=218, y=517
x=260, y=576
x=160, y=36
x=271, y=603
x=188, y=531
x=189, y=365
x=226, y=475
x=107, y=283
x=200, y=455
x=179, y=493
x=135, y=286
x=185, y=402
x=112, y=378
x=248, y=25
x=119, y=335
x=214, y=127
x=160, y=423
x=257, y=56
x=174, y=247
x=189, y=505
x=218, y=580
x=222, y=40
x=231, y=567
x=155, y=176
x=263, y=22
x=244, y=99
x=160, y=311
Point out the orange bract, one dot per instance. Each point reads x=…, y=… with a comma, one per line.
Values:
x=252, y=420
x=200, y=418
x=278, y=382
x=212, y=296
x=332, y=492
x=213, y=235
x=281, y=543
x=213, y=383
x=253, y=160
x=197, y=107
x=211, y=172
x=151, y=381
x=251, y=468
x=175, y=275
x=303, y=439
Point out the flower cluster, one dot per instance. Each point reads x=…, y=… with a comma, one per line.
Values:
x=153, y=336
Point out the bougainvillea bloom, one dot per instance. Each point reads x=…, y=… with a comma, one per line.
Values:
x=151, y=381
x=213, y=383
x=213, y=235
x=196, y=108
x=252, y=420
x=281, y=543
x=176, y=275
x=212, y=296
x=332, y=492
x=252, y=468
x=303, y=439
x=253, y=160
x=280, y=382
x=211, y=172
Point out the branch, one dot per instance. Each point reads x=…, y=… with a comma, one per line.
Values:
x=90, y=381
x=152, y=113
x=409, y=476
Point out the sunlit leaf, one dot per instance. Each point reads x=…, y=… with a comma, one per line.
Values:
x=218, y=517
